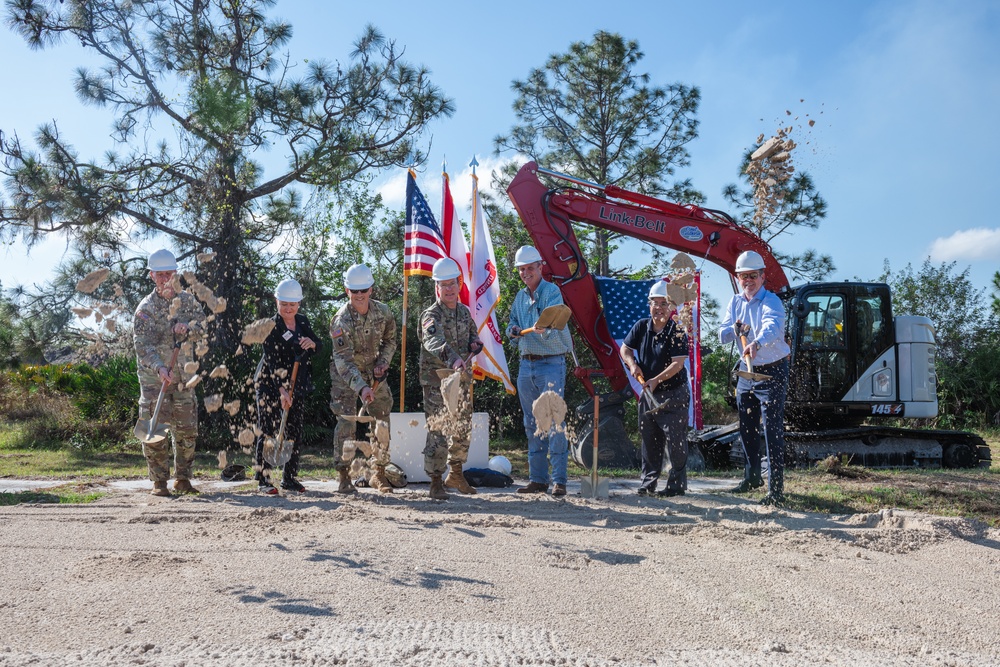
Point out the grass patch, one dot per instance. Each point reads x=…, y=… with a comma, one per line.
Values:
x=71, y=494
x=833, y=489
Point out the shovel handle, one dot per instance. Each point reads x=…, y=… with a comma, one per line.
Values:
x=743, y=342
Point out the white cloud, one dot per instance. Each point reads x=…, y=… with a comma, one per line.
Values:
x=967, y=244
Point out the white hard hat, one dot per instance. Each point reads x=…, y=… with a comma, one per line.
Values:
x=749, y=261
x=358, y=276
x=289, y=289
x=162, y=260
x=525, y=255
x=658, y=290
x=500, y=464
x=445, y=269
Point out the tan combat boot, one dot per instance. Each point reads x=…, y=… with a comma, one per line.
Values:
x=160, y=489
x=456, y=480
x=379, y=482
x=184, y=486
x=437, y=488
x=346, y=485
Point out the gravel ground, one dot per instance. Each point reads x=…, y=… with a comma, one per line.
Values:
x=235, y=578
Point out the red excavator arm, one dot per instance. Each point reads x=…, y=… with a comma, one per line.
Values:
x=547, y=214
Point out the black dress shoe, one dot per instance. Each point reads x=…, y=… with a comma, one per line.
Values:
x=669, y=493
x=558, y=490
x=746, y=486
x=646, y=490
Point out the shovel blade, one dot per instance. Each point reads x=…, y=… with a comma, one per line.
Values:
x=142, y=432
x=277, y=454
x=554, y=317
x=587, y=489
x=357, y=419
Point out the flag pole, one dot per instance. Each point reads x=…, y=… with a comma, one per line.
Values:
x=472, y=253
x=402, y=347
x=402, y=354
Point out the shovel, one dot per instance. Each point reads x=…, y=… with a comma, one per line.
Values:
x=595, y=487
x=553, y=317
x=748, y=374
x=654, y=405
x=149, y=431
x=278, y=451
x=361, y=417
x=443, y=373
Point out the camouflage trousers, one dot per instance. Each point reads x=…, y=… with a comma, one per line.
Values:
x=344, y=401
x=448, y=435
x=180, y=411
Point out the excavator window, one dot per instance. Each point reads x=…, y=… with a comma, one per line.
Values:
x=822, y=348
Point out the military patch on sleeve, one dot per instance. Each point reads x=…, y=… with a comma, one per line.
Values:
x=429, y=327
x=337, y=333
x=143, y=315
x=340, y=341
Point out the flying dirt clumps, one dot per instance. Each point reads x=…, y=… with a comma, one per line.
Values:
x=222, y=459
x=232, y=407
x=191, y=367
x=257, y=332
x=245, y=438
x=219, y=371
x=451, y=391
x=769, y=168
x=549, y=411
x=213, y=402
x=193, y=382
x=93, y=280
x=205, y=257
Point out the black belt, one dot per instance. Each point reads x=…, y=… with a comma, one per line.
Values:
x=773, y=364
x=539, y=357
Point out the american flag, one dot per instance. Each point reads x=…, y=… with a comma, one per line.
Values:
x=424, y=244
x=624, y=303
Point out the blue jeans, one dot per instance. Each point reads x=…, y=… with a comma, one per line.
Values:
x=533, y=378
x=765, y=401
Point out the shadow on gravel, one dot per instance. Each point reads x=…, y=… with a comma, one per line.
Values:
x=279, y=601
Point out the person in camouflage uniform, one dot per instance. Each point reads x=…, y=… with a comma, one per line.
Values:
x=447, y=337
x=364, y=340
x=165, y=318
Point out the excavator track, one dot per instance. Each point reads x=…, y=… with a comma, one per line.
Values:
x=886, y=446
x=870, y=446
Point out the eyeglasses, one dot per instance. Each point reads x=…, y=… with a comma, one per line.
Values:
x=751, y=275
x=360, y=291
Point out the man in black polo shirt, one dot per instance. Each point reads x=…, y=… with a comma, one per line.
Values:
x=654, y=353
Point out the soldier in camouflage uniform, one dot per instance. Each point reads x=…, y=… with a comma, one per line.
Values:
x=364, y=340
x=165, y=318
x=447, y=336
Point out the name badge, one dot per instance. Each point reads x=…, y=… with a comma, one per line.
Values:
x=287, y=335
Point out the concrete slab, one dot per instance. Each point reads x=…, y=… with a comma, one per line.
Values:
x=18, y=485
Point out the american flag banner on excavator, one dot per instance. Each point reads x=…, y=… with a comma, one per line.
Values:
x=424, y=244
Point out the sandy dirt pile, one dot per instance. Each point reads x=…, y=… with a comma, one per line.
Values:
x=495, y=579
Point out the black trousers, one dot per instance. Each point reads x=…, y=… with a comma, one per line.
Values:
x=665, y=431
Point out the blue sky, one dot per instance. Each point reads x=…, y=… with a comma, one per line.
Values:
x=905, y=149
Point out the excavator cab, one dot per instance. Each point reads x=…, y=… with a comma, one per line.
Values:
x=837, y=333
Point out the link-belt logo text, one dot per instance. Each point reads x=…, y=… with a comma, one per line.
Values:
x=636, y=221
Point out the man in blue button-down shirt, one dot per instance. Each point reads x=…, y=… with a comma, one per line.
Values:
x=542, y=368
x=759, y=315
